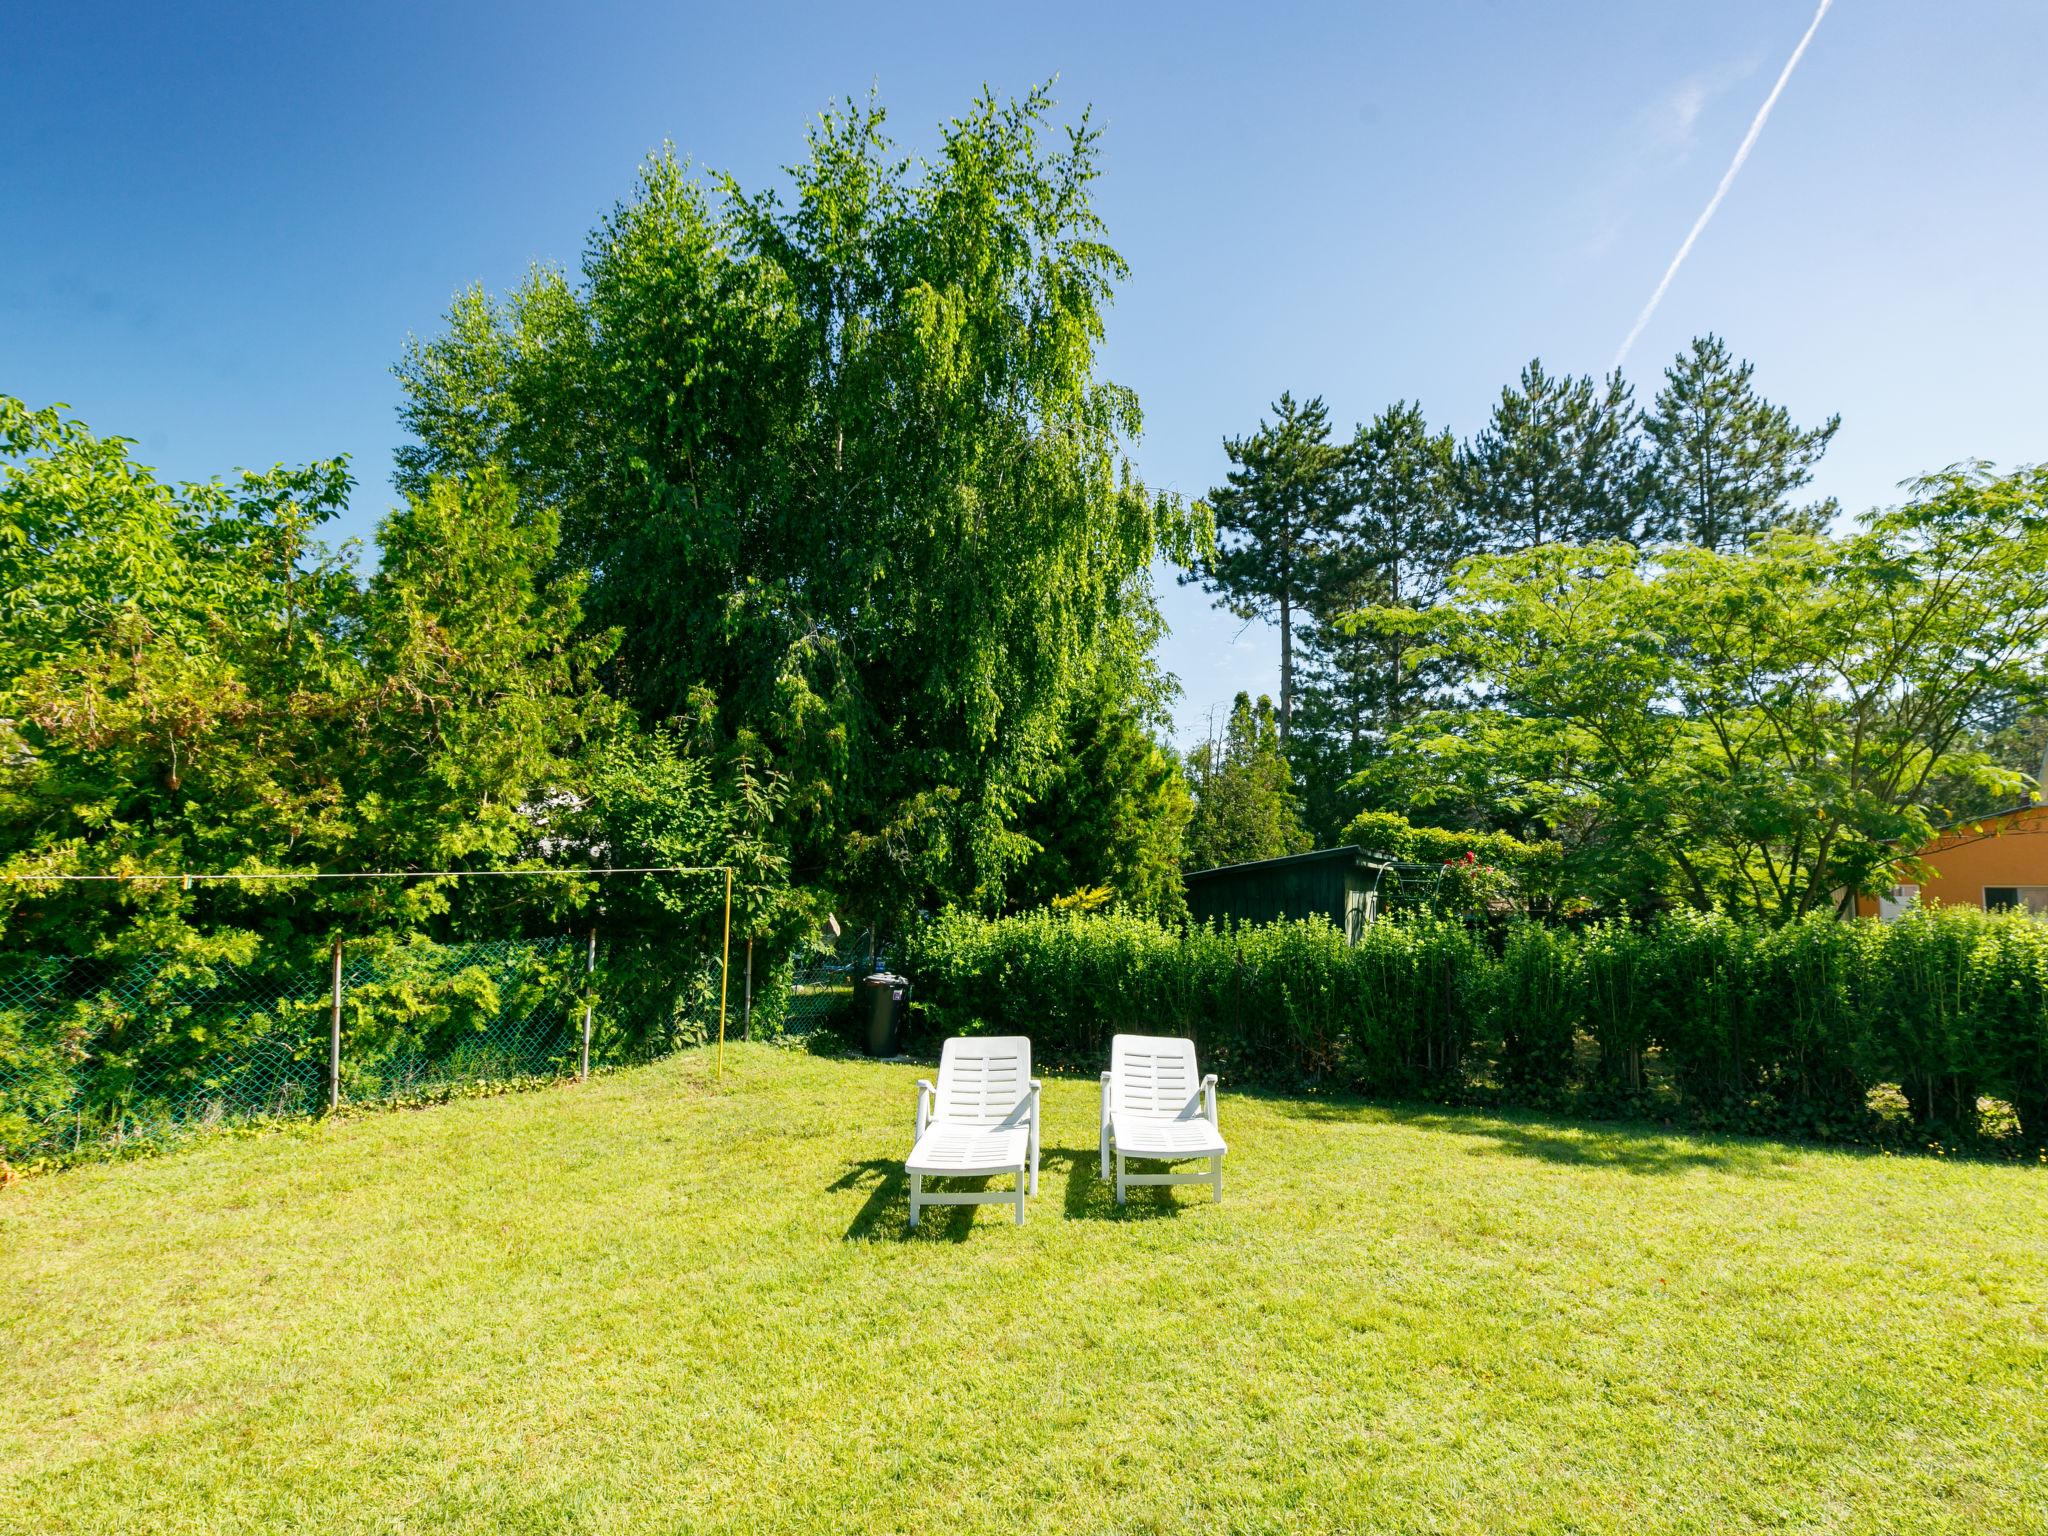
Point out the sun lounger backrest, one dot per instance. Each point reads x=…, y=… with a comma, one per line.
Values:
x=1154, y=1077
x=984, y=1079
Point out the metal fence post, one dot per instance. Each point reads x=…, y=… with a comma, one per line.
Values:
x=589, y=970
x=334, y=1039
x=747, y=1013
x=724, y=975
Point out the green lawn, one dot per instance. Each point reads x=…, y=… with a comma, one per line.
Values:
x=651, y=1304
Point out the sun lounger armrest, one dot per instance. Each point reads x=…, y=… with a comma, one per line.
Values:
x=925, y=1094
x=1103, y=1138
x=1209, y=1097
x=1037, y=1088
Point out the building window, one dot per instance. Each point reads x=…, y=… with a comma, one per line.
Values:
x=2025, y=898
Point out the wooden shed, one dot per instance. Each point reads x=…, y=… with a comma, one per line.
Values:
x=1342, y=884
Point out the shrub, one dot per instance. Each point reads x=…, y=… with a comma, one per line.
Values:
x=1927, y=1031
x=1538, y=1001
x=2009, y=1003
x=1614, y=977
x=1530, y=870
x=1417, y=984
x=1727, y=1023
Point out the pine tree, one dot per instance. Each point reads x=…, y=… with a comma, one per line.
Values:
x=1244, y=792
x=1399, y=536
x=1275, y=518
x=1560, y=462
x=1723, y=460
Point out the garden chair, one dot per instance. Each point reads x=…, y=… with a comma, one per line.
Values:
x=981, y=1118
x=1154, y=1107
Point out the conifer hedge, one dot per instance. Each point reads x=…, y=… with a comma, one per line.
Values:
x=1700, y=1017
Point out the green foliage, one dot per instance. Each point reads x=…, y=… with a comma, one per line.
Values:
x=851, y=491
x=1694, y=1016
x=1756, y=728
x=1244, y=793
x=1371, y=531
x=1723, y=461
x=1925, y=1016
x=1276, y=517
x=224, y=694
x=1279, y=1004
x=1399, y=532
x=1560, y=462
x=2008, y=1002
x=1536, y=994
x=1111, y=813
x=1614, y=984
x=102, y=1054
x=177, y=683
x=1529, y=871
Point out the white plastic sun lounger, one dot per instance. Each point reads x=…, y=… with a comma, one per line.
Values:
x=1154, y=1107
x=982, y=1118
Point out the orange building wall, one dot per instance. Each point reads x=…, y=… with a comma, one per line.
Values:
x=2011, y=849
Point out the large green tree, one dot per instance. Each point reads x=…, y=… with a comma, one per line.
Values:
x=1723, y=461
x=1399, y=534
x=841, y=466
x=1108, y=821
x=1761, y=728
x=1559, y=462
x=1276, y=517
x=191, y=680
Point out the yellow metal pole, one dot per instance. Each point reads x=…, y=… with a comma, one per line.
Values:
x=724, y=966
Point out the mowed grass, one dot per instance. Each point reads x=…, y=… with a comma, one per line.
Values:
x=653, y=1305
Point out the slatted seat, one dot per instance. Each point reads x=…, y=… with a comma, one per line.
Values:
x=980, y=1118
x=1172, y=1140
x=1155, y=1107
x=964, y=1150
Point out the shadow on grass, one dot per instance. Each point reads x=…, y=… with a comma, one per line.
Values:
x=885, y=1215
x=1091, y=1197
x=1624, y=1148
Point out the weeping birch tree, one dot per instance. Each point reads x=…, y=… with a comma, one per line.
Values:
x=840, y=463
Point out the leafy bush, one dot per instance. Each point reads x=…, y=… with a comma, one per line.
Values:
x=1478, y=866
x=126, y=1048
x=2009, y=1005
x=1924, y=1015
x=1721, y=1022
x=1538, y=1002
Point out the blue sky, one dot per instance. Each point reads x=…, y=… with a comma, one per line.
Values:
x=215, y=233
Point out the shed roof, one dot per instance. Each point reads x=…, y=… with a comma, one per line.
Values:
x=1352, y=854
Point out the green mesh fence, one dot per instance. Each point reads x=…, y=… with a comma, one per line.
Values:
x=824, y=982
x=98, y=1054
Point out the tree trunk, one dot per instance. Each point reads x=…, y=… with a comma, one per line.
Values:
x=1286, y=663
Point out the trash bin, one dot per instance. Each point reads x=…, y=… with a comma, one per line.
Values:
x=885, y=1011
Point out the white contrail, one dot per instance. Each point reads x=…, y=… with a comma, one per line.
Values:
x=1728, y=178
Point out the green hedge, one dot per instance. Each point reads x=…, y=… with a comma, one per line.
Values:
x=1702, y=1017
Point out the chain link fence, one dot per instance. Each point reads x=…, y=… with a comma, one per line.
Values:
x=825, y=980
x=97, y=1055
